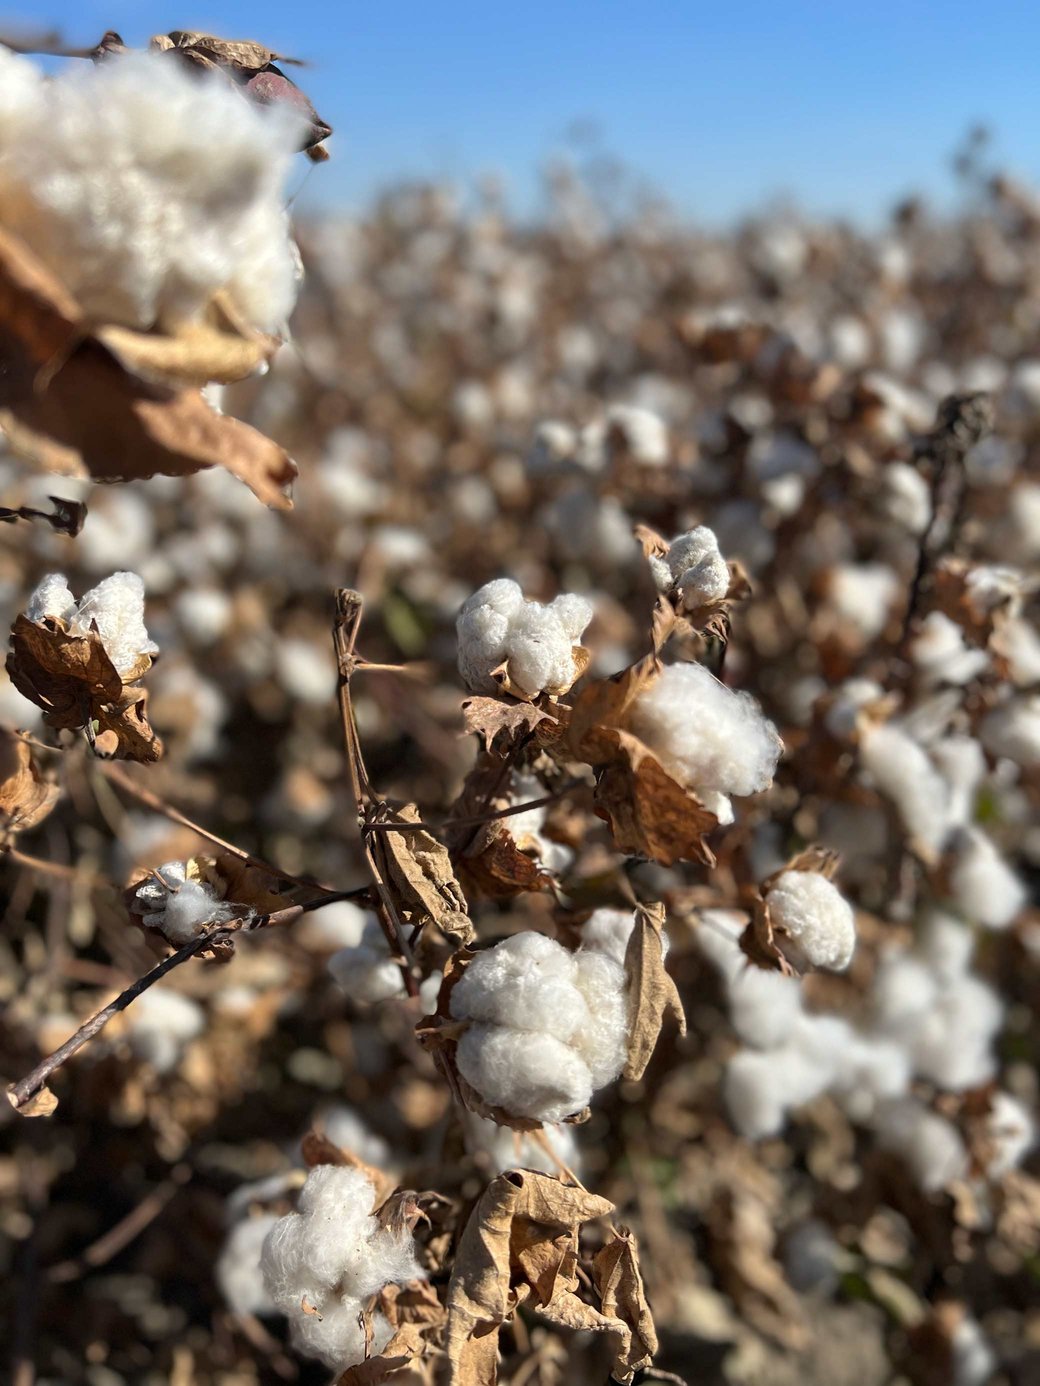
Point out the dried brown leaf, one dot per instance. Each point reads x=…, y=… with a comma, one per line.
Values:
x=418, y=872
x=42, y=1103
x=404, y=1347
x=490, y=718
x=742, y=1241
x=26, y=798
x=651, y=991
x=220, y=347
x=619, y=1283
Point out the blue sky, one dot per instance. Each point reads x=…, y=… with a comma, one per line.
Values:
x=843, y=106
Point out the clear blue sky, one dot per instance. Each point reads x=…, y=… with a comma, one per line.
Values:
x=843, y=106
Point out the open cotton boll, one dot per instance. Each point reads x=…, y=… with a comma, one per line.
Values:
x=942, y=654
x=323, y=1263
x=498, y=626
x=115, y=606
x=526, y=982
x=974, y=1360
x=903, y=772
x=760, y=1088
x=930, y=1145
x=608, y=931
x=817, y=921
x=950, y=1044
x=695, y=566
x=870, y=1071
x=1013, y=731
x=147, y=190
x=946, y=944
x=51, y=597
x=982, y=885
x=644, y=434
x=160, y=1023
x=238, y=1272
x=345, y=1128
x=528, y=1074
x=365, y=970
x=602, y=1040
x=763, y=1006
x=704, y=734
x=178, y=906
x=863, y=594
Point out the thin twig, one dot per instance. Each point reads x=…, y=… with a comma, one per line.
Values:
x=53, y=868
x=112, y=1242
x=475, y=820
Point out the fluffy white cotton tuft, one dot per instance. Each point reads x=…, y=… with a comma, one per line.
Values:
x=178, y=906
x=497, y=625
x=239, y=1276
x=930, y=1145
x=365, y=970
x=323, y=1263
x=115, y=606
x=694, y=567
x=147, y=190
x=550, y=1026
x=983, y=886
x=815, y=917
x=902, y=771
x=1013, y=731
x=608, y=931
x=707, y=736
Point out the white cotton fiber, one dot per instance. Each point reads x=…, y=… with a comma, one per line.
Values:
x=763, y=1006
x=147, y=190
x=527, y=1073
x=1010, y=1132
x=602, y=1040
x=503, y=1148
x=115, y=606
x=526, y=828
x=1013, y=731
x=331, y=1257
x=178, y=906
x=704, y=734
x=930, y=1145
x=365, y=970
x=817, y=920
x=608, y=931
x=160, y=1023
x=498, y=626
x=238, y=1272
x=693, y=566
x=982, y=885
x=527, y=982
x=902, y=771
x=643, y=433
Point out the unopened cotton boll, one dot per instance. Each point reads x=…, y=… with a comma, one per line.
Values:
x=498, y=626
x=147, y=190
x=816, y=919
x=115, y=606
x=982, y=885
x=178, y=906
x=322, y=1265
x=704, y=734
x=238, y=1272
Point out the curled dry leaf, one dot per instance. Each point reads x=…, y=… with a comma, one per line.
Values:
x=491, y=858
x=418, y=873
x=404, y=1347
x=26, y=798
x=43, y=1103
x=649, y=812
x=651, y=991
x=73, y=680
x=491, y=718
x=742, y=1241
x=71, y=402
x=619, y=1284
x=519, y=1246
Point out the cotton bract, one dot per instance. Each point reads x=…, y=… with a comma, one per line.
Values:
x=714, y=741
x=549, y=1027
x=323, y=1263
x=115, y=606
x=147, y=190
x=498, y=626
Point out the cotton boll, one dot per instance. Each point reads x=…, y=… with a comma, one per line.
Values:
x=540, y=650
x=602, y=1041
x=338, y=925
x=982, y=885
x=306, y=672
x=526, y=982
x=863, y=593
x=238, y=1272
x=906, y=497
x=816, y=919
x=843, y=713
x=528, y=1074
x=365, y=971
x=903, y=773
x=178, y=906
x=505, y=1149
x=51, y=597
x=753, y=1094
x=929, y=1144
x=555, y=443
x=946, y=945
x=644, y=435
x=147, y=191
x=694, y=566
x=1012, y=730
x=763, y=1006
x=704, y=734
x=941, y=653
x=871, y=1071
x=608, y=931
x=904, y=990
x=950, y=1044
x=116, y=607
x=962, y=765
x=718, y=935
x=526, y=827
x=1011, y=1132
x=160, y=1024
x=974, y=1360
x=591, y=529
x=497, y=625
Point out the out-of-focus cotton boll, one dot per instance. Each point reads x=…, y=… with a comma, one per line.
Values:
x=204, y=613
x=764, y=1006
x=706, y=735
x=962, y=765
x=942, y=654
x=1020, y=645
x=323, y=1263
x=974, y=1360
x=147, y=190
x=903, y=772
x=345, y=476
x=982, y=885
x=554, y=444
x=160, y=1024
x=119, y=528
x=306, y=671
x=527, y=1074
x=338, y=925
x=591, y=529
x=863, y=594
x=905, y=497
x=365, y=970
x=238, y=1272
x=817, y=920
x=950, y=1045
x=498, y=626
x=192, y=705
x=170, y=901
x=115, y=606
x=930, y=1145
x=850, y=341
x=15, y=709
x=345, y=1128
x=842, y=716
x=693, y=566
x=1012, y=730
x=946, y=944
x=641, y=434
x=902, y=339
x=904, y=990
x=870, y=1071
x=1010, y=1133
x=761, y=1088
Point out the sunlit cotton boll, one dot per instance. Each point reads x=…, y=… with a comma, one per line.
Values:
x=930, y=1145
x=177, y=906
x=115, y=606
x=902, y=771
x=498, y=626
x=365, y=970
x=704, y=734
x=148, y=190
x=1013, y=731
x=694, y=566
x=982, y=885
x=816, y=920
x=322, y=1264
x=160, y=1024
